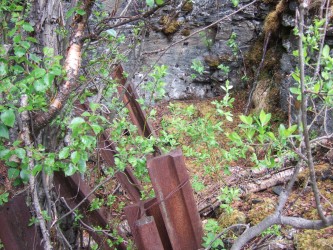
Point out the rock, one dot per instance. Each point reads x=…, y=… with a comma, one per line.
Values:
x=277, y=189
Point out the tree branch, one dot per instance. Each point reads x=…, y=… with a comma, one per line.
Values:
x=308, y=150
x=28, y=143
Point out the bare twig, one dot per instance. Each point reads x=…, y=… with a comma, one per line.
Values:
x=301, y=63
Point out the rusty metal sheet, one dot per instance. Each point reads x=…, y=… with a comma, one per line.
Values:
x=15, y=233
x=148, y=234
x=176, y=201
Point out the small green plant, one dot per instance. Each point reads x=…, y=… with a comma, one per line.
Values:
x=197, y=184
x=273, y=230
x=208, y=42
x=232, y=43
x=33, y=221
x=224, y=69
x=227, y=196
x=198, y=67
x=3, y=198
x=96, y=204
x=235, y=3
x=211, y=230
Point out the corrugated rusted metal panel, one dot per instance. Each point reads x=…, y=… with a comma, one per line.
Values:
x=15, y=233
x=176, y=201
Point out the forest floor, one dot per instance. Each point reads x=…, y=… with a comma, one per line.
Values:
x=254, y=206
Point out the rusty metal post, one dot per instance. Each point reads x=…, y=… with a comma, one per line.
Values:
x=148, y=234
x=152, y=209
x=176, y=201
x=15, y=233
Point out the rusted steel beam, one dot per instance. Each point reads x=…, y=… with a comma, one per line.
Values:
x=127, y=179
x=74, y=190
x=138, y=116
x=148, y=234
x=152, y=209
x=15, y=233
x=176, y=201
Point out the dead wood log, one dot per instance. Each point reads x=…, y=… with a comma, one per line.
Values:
x=252, y=184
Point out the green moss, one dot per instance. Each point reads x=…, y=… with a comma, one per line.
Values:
x=188, y=6
x=266, y=208
x=170, y=25
x=314, y=239
x=186, y=32
x=236, y=217
x=272, y=21
x=212, y=61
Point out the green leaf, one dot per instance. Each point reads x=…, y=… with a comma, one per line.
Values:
x=48, y=79
x=27, y=27
x=24, y=174
x=4, y=131
x=48, y=51
x=13, y=173
x=4, y=153
x=264, y=118
x=20, y=152
x=34, y=58
x=82, y=166
x=112, y=32
x=70, y=170
x=56, y=70
x=40, y=86
x=159, y=2
x=80, y=12
x=246, y=119
x=25, y=44
x=295, y=91
x=326, y=51
x=76, y=122
x=18, y=69
x=97, y=128
x=75, y=157
x=19, y=51
x=64, y=153
x=3, y=68
x=38, y=72
x=8, y=118
x=37, y=169
x=150, y=3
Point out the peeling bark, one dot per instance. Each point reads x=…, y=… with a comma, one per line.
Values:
x=72, y=66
